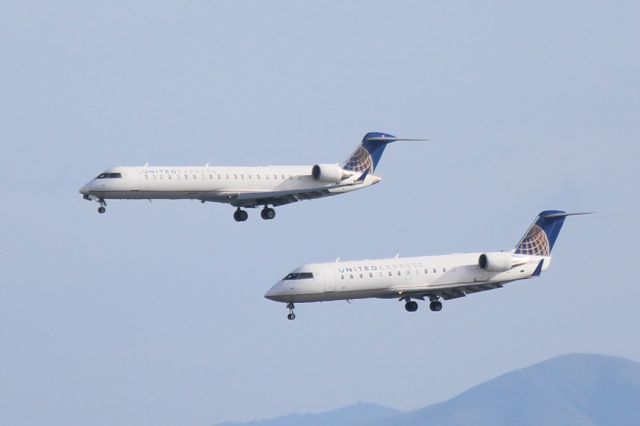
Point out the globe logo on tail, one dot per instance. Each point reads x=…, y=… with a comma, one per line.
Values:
x=535, y=243
x=360, y=161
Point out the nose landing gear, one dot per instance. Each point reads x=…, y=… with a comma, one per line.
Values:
x=291, y=315
x=103, y=206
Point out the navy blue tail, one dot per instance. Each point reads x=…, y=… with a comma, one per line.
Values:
x=368, y=153
x=542, y=235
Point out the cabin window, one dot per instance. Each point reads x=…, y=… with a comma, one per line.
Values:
x=194, y=176
x=283, y=177
x=342, y=277
x=426, y=271
x=275, y=177
x=242, y=177
x=444, y=269
x=389, y=273
x=399, y=273
x=361, y=276
x=370, y=275
x=434, y=271
x=235, y=177
x=258, y=177
x=210, y=176
x=351, y=276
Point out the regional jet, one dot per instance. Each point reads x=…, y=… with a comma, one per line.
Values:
x=243, y=187
x=430, y=278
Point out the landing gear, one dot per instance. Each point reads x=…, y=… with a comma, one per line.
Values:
x=411, y=306
x=268, y=213
x=291, y=315
x=435, y=305
x=103, y=206
x=240, y=215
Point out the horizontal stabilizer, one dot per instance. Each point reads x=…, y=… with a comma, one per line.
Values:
x=394, y=139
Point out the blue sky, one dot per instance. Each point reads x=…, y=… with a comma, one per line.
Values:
x=154, y=313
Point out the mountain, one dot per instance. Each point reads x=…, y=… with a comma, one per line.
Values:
x=578, y=389
x=572, y=390
x=353, y=415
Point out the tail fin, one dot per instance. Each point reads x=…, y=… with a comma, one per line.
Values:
x=542, y=234
x=368, y=153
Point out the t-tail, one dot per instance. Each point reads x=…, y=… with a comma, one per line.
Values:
x=543, y=233
x=366, y=157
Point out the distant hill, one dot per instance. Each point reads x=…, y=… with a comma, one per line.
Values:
x=571, y=390
x=353, y=415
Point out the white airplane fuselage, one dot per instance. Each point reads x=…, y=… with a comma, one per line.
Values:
x=220, y=184
x=243, y=187
x=423, y=278
x=397, y=278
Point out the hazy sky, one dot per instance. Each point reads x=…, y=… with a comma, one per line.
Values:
x=153, y=314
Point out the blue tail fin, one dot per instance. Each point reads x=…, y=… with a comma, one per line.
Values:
x=542, y=234
x=368, y=153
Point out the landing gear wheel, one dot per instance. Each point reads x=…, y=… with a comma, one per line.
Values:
x=103, y=205
x=411, y=306
x=291, y=315
x=268, y=213
x=240, y=215
x=435, y=306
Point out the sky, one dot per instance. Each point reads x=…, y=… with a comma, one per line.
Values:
x=153, y=313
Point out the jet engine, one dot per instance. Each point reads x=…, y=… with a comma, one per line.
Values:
x=327, y=173
x=497, y=262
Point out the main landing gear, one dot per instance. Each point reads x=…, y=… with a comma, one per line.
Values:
x=268, y=213
x=240, y=215
x=411, y=305
x=435, y=305
x=291, y=315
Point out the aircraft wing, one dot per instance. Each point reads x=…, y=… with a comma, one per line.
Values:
x=274, y=198
x=446, y=292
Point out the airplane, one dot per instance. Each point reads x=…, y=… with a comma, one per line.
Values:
x=418, y=278
x=243, y=187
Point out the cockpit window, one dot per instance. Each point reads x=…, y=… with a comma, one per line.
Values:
x=109, y=176
x=298, y=276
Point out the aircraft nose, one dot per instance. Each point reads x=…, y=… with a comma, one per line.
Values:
x=274, y=292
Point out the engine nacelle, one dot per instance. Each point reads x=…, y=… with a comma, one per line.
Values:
x=327, y=173
x=496, y=262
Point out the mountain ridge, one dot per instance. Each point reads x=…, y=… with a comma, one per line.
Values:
x=573, y=389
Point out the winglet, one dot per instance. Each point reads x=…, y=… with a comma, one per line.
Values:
x=538, y=270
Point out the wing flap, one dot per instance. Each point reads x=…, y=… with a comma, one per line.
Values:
x=447, y=292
